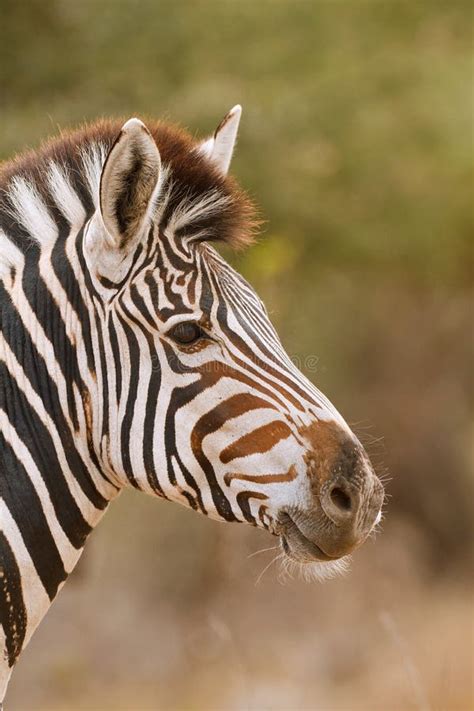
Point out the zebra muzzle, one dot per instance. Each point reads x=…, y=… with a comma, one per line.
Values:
x=344, y=500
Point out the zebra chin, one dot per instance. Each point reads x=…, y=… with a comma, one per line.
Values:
x=303, y=559
x=312, y=571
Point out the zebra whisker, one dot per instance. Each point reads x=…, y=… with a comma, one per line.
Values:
x=273, y=560
x=262, y=550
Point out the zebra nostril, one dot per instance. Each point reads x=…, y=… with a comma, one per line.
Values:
x=339, y=503
x=340, y=499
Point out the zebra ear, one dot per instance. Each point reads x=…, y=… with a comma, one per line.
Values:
x=129, y=182
x=220, y=147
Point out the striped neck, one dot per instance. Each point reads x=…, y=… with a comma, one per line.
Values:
x=53, y=489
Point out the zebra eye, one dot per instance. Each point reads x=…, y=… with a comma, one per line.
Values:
x=186, y=333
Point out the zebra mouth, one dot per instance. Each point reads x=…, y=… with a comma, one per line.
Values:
x=297, y=546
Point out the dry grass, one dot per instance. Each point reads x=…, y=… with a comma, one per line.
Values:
x=169, y=618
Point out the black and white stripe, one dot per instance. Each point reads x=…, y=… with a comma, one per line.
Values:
x=95, y=394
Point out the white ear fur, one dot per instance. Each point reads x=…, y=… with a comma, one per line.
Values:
x=129, y=182
x=220, y=147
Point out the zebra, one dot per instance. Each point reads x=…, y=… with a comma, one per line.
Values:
x=133, y=355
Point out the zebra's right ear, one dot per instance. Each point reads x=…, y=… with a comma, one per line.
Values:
x=129, y=183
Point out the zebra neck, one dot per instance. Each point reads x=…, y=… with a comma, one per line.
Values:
x=52, y=489
x=45, y=518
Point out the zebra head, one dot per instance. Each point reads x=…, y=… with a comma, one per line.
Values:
x=197, y=400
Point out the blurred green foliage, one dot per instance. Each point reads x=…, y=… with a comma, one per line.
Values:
x=356, y=141
x=357, y=118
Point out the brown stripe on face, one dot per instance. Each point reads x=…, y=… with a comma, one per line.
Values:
x=258, y=441
x=214, y=370
x=214, y=419
x=243, y=502
x=262, y=512
x=262, y=478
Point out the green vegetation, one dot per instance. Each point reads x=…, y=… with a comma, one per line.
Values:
x=356, y=132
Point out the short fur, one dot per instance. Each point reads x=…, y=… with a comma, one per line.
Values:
x=192, y=177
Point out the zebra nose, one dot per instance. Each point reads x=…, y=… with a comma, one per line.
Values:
x=351, y=502
x=345, y=496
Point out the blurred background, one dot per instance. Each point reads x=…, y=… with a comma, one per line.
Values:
x=356, y=141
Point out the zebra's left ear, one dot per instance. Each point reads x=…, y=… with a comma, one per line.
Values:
x=129, y=182
x=220, y=147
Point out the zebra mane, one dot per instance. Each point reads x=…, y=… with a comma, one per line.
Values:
x=64, y=173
